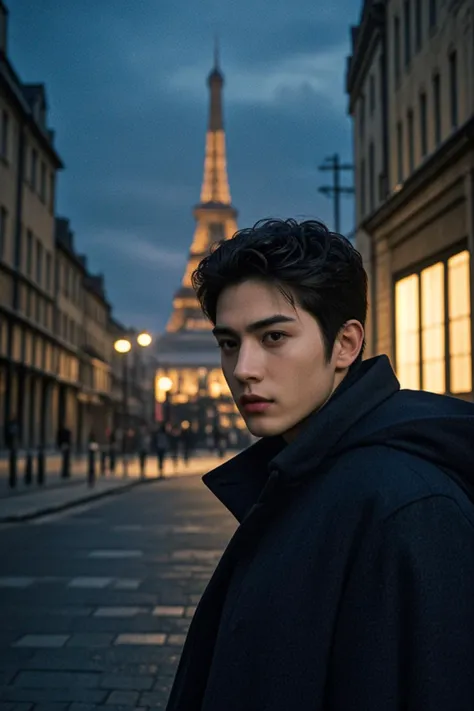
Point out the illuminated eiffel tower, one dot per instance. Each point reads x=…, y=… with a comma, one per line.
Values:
x=187, y=352
x=215, y=216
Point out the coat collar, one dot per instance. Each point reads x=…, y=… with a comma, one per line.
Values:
x=239, y=482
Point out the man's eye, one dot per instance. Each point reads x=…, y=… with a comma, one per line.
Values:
x=274, y=337
x=226, y=344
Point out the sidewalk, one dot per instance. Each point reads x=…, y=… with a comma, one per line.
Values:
x=53, y=498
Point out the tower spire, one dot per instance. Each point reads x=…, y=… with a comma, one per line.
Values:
x=215, y=185
x=215, y=215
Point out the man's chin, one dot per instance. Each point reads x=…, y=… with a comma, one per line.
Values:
x=261, y=427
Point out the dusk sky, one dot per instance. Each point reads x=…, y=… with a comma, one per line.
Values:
x=126, y=86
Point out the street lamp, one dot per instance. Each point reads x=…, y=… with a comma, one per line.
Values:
x=144, y=339
x=124, y=346
x=164, y=385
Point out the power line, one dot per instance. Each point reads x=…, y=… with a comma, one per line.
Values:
x=335, y=190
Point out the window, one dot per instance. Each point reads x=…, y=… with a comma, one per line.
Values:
x=407, y=326
x=459, y=314
x=39, y=262
x=48, y=285
x=51, y=192
x=372, y=94
x=411, y=142
x=371, y=177
x=362, y=188
x=423, y=126
x=453, y=88
x=43, y=182
x=407, y=30
x=399, y=152
x=396, y=48
x=362, y=118
x=433, y=13
x=4, y=135
x=437, y=108
x=3, y=231
x=418, y=24
x=433, y=327
x=33, y=168
x=29, y=252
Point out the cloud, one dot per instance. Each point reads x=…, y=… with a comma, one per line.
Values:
x=320, y=73
x=140, y=251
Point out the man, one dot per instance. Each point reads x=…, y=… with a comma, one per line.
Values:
x=349, y=584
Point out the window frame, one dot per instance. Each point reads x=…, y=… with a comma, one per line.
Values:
x=417, y=269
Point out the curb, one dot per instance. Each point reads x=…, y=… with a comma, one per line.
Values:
x=56, y=508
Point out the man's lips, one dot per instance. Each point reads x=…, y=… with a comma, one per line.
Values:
x=254, y=403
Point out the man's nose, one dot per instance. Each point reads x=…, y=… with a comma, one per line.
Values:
x=249, y=365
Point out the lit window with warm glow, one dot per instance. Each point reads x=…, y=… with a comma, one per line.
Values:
x=433, y=329
x=459, y=324
x=407, y=328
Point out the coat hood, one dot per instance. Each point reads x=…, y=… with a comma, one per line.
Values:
x=367, y=409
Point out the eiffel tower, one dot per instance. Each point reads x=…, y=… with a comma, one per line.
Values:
x=186, y=352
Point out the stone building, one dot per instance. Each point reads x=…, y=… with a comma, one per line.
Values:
x=29, y=164
x=410, y=81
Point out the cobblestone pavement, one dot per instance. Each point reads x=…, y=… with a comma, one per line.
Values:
x=95, y=602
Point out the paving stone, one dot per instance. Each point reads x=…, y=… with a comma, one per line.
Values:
x=7, y=674
x=153, y=699
x=123, y=698
x=195, y=599
x=163, y=611
x=123, y=682
x=42, y=640
x=15, y=707
x=116, y=554
x=37, y=696
x=20, y=582
x=89, y=583
x=190, y=611
x=89, y=640
x=51, y=707
x=56, y=680
x=140, y=639
x=127, y=584
x=118, y=611
x=176, y=640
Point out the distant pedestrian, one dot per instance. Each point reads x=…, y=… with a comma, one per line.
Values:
x=161, y=446
x=143, y=447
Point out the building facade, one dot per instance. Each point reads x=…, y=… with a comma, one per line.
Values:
x=410, y=81
x=56, y=326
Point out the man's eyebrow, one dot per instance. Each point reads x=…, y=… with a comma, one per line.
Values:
x=255, y=326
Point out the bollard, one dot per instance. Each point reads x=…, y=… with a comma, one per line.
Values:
x=142, y=458
x=12, y=467
x=66, y=463
x=112, y=459
x=91, y=467
x=41, y=466
x=103, y=461
x=125, y=464
x=28, y=468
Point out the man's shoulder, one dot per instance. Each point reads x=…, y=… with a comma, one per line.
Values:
x=388, y=480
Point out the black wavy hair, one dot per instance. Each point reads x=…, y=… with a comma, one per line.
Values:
x=317, y=269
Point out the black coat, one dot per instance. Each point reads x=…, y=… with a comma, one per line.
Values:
x=349, y=584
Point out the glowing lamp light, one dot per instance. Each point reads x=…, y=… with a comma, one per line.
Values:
x=144, y=339
x=215, y=389
x=165, y=384
x=122, y=345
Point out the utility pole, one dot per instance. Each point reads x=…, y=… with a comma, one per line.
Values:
x=335, y=190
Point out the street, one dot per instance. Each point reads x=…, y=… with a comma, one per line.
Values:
x=95, y=602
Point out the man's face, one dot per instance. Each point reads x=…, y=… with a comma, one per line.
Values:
x=273, y=350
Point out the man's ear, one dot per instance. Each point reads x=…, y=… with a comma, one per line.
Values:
x=348, y=344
